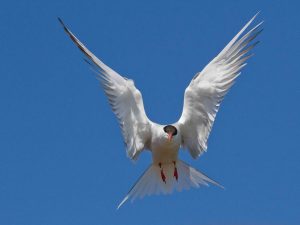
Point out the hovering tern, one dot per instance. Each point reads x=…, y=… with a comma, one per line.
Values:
x=202, y=99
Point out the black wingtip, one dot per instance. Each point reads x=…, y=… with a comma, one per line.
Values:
x=62, y=23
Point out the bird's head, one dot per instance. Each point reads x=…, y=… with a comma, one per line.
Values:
x=171, y=131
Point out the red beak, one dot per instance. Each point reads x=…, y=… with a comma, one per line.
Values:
x=170, y=136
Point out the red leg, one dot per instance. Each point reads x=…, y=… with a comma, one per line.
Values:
x=163, y=177
x=175, y=171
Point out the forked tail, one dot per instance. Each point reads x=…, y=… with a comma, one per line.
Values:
x=164, y=178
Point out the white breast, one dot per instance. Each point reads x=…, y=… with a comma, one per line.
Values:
x=163, y=150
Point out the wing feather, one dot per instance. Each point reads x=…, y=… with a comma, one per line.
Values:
x=207, y=89
x=125, y=99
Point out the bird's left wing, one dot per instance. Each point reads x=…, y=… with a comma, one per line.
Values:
x=204, y=94
x=126, y=102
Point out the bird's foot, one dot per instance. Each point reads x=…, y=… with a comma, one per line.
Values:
x=163, y=176
x=175, y=171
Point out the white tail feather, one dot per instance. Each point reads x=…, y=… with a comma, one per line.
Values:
x=150, y=182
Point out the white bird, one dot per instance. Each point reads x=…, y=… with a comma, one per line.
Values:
x=202, y=99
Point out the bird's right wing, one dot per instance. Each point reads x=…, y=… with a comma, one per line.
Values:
x=204, y=94
x=126, y=102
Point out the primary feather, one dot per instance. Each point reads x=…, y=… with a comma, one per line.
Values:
x=207, y=89
x=126, y=102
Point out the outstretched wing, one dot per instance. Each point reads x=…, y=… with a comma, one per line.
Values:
x=204, y=94
x=126, y=102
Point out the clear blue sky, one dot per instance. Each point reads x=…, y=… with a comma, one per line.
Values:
x=62, y=158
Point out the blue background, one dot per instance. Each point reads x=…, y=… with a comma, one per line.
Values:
x=62, y=158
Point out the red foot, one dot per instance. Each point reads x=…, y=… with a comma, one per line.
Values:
x=175, y=171
x=163, y=177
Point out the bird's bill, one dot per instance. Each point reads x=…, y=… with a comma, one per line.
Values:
x=170, y=136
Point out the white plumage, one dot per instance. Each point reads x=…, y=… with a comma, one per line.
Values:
x=207, y=89
x=202, y=99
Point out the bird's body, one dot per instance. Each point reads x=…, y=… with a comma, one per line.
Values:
x=163, y=150
x=202, y=99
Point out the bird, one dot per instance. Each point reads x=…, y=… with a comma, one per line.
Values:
x=202, y=99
